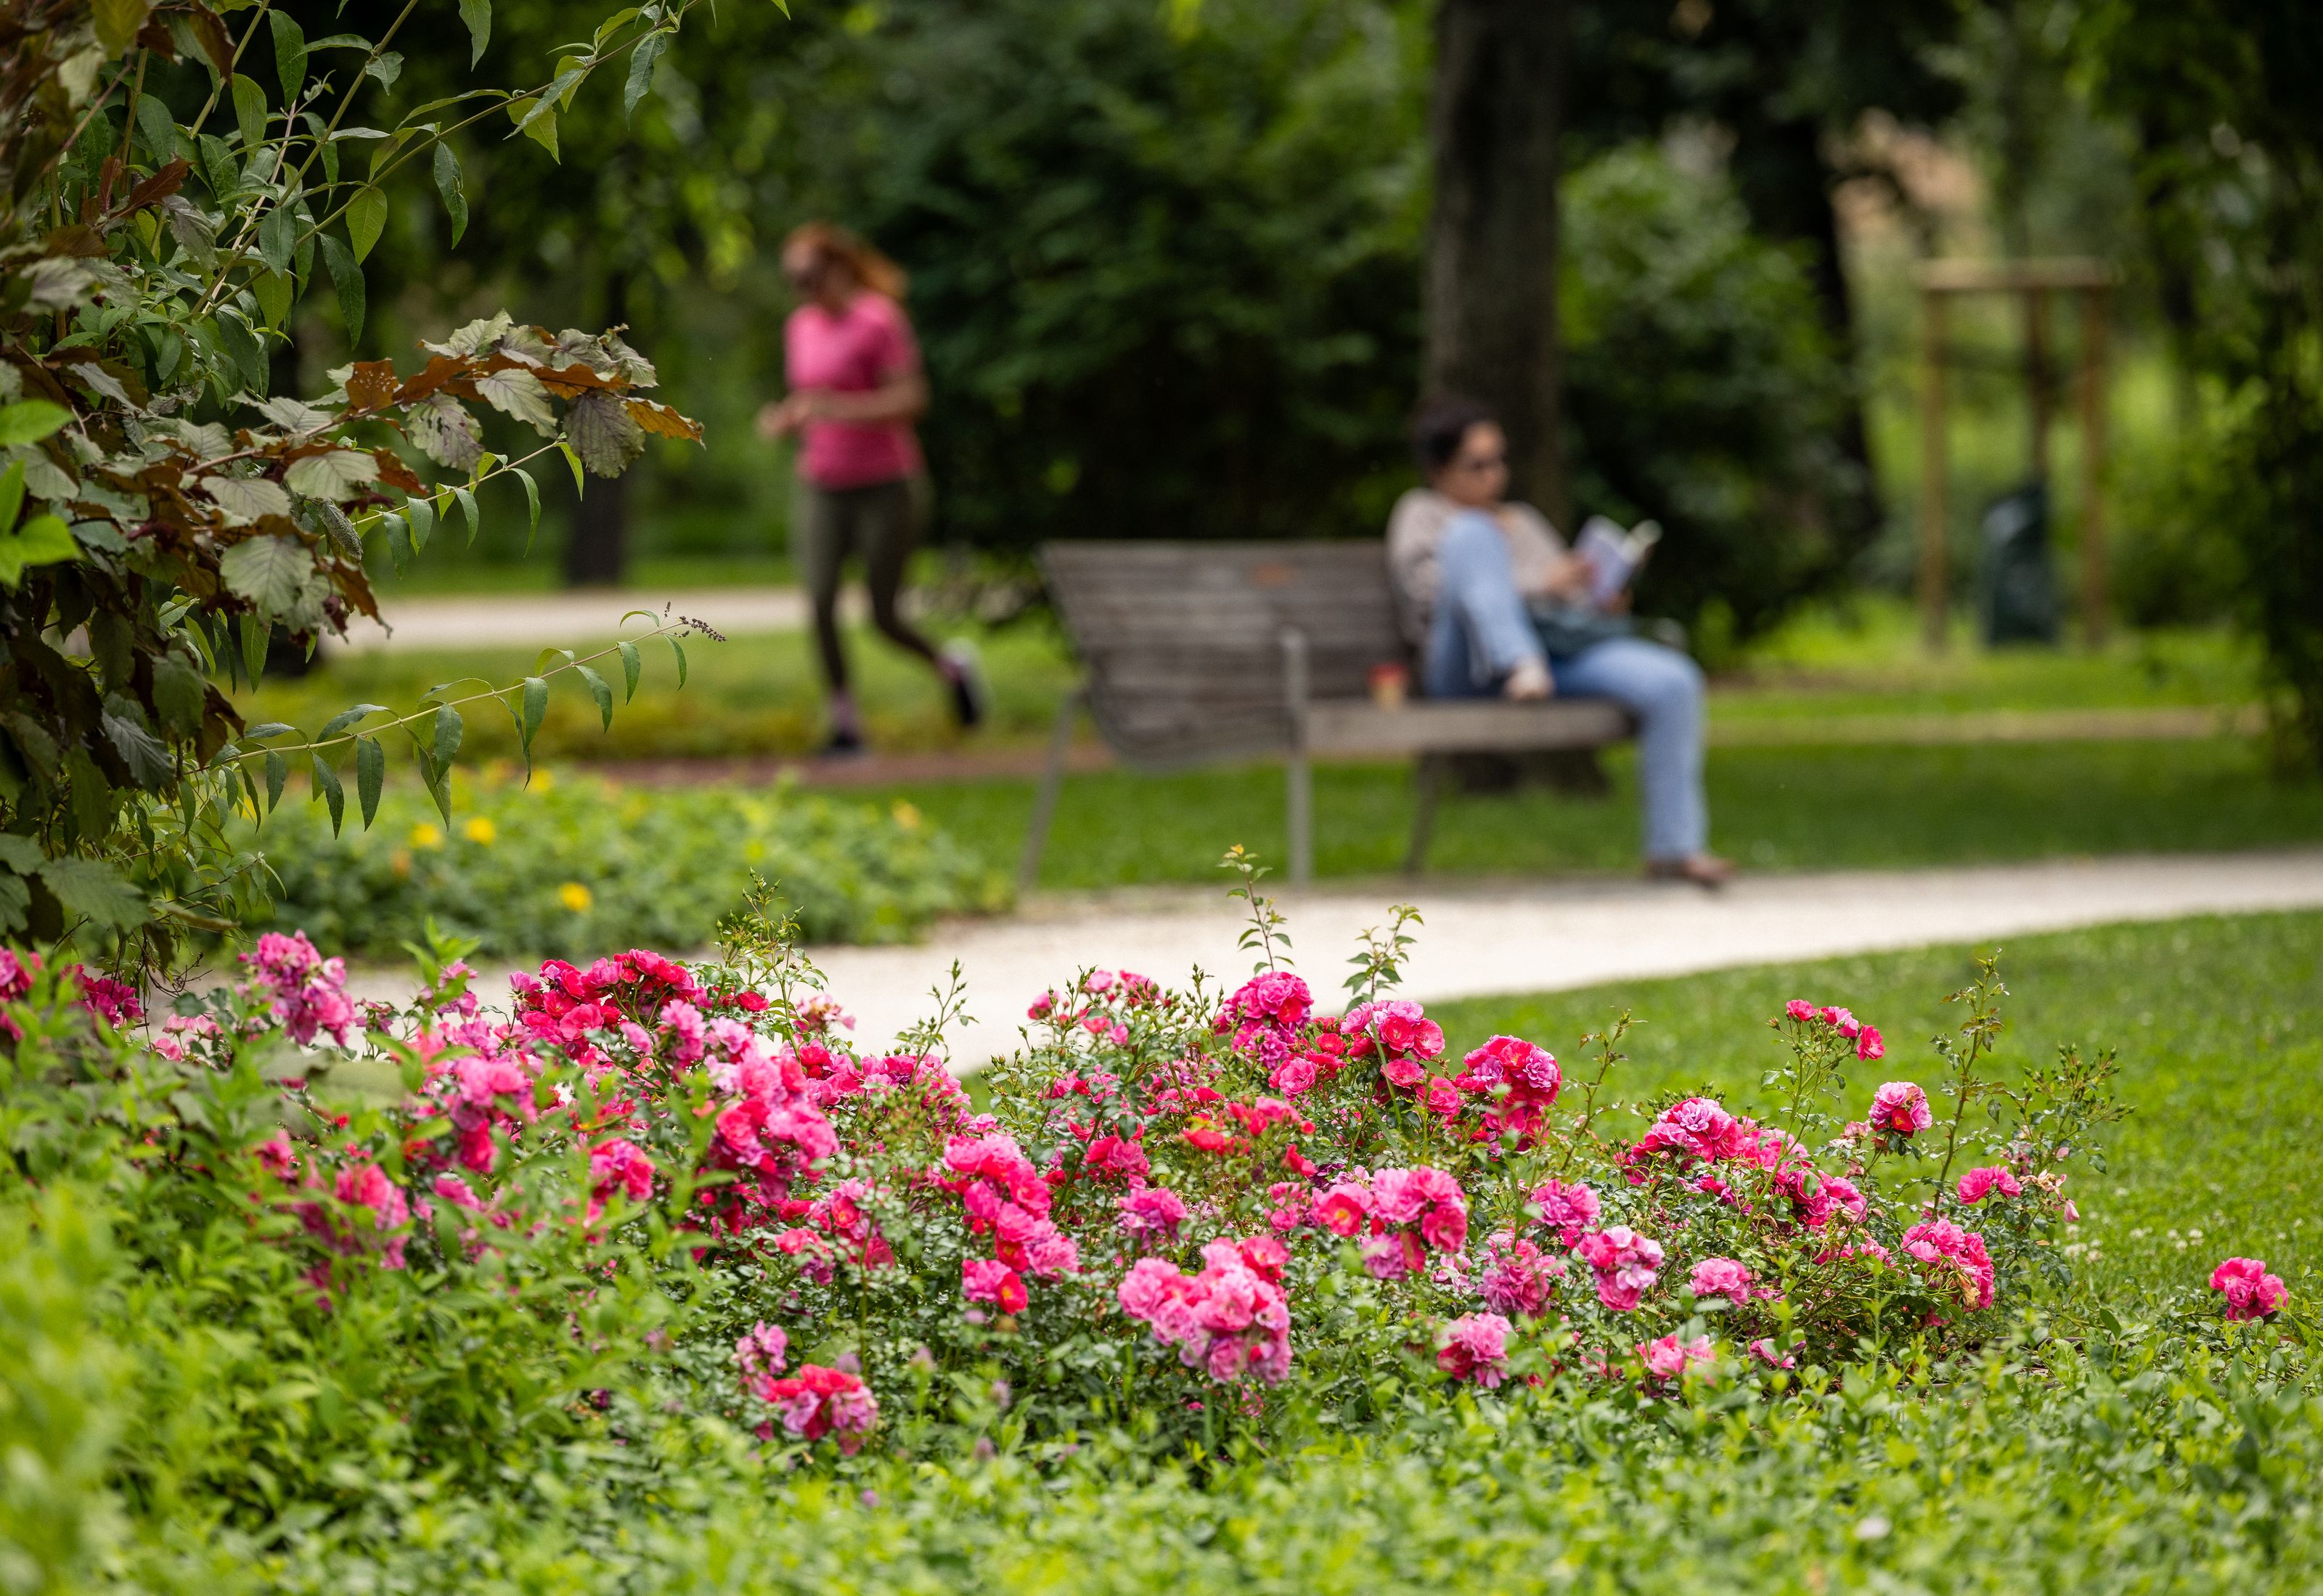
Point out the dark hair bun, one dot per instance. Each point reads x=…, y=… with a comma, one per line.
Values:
x=1439, y=425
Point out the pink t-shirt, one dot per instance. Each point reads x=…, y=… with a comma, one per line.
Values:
x=867, y=344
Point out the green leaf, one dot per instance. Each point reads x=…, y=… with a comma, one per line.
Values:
x=346, y=718
x=179, y=695
x=366, y=219
x=601, y=428
x=371, y=771
x=648, y=53
x=599, y=692
x=448, y=730
x=532, y=503
x=117, y=22
x=326, y=782
x=270, y=572
x=243, y=347
x=160, y=134
x=674, y=648
x=44, y=540
x=333, y=474
x=348, y=279
x=422, y=512
x=91, y=794
x=536, y=120
x=273, y=290
x=28, y=421
x=278, y=237
x=289, y=53
x=254, y=633
x=249, y=111
x=278, y=771
x=632, y=666
x=447, y=184
x=95, y=891
x=12, y=495
x=387, y=66
x=20, y=854
x=468, y=508
x=478, y=15
x=15, y=904
x=579, y=484
x=536, y=706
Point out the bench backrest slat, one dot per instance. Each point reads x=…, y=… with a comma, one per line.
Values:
x=1181, y=641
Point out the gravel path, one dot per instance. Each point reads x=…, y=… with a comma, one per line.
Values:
x=1482, y=941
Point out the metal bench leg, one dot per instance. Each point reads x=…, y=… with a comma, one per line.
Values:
x=1053, y=782
x=1429, y=776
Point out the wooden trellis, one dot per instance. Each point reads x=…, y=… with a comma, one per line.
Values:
x=2032, y=281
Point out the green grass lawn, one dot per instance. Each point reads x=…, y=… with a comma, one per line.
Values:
x=1771, y=807
x=2219, y=1023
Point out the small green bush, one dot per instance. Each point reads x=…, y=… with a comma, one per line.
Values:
x=579, y=866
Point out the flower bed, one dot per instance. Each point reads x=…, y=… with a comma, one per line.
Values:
x=574, y=867
x=662, y=1211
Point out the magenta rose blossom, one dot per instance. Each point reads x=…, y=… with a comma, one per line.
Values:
x=1721, y=1277
x=2251, y=1293
x=1869, y=1044
x=1902, y=1107
x=1978, y=1184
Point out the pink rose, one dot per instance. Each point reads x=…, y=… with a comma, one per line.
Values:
x=2250, y=1292
x=1721, y=1277
x=1976, y=1183
x=1900, y=1107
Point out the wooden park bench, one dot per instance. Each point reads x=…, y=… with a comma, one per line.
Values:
x=1194, y=653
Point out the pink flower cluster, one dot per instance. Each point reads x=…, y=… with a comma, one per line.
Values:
x=1900, y=1108
x=1006, y=1198
x=306, y=993
x=1516, y=1277
x=1626, y=1264
x=1978, y=1184
x=1152, y=1214
x=2250, y=1292
x=1721, y=1277
x=1399, y=1033
x=1869, y=1044
x=618, y=1167
x=1519, y=1080
x=817, y=1402
x=1475, y=1347
x=1405, y=1212
x=1264, y=1016
x=1571, y=1211
x=1230, y=1319
x=1668, y=1358
x=362, y=1184
x=1955, y=1256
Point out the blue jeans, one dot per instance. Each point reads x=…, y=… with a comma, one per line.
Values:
x=1482, y=631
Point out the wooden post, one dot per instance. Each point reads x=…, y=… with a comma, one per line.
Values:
x=1934, y=577
x=1052, y=784
x=1298, y=778
x=2094, y=597
x=2036, y=377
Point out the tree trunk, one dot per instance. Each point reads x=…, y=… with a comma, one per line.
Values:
x=597, y=553
x=1490, y=291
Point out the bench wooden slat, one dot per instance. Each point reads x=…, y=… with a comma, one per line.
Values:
x=1358, y=726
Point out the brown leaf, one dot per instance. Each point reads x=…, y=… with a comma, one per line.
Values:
x=664, y=422
x=371, y=386
x=395, y=473
x=573, y=381
x=78, y=240
x=209, y=32
x=440, y=370
x=153, y=190
x=155, y=36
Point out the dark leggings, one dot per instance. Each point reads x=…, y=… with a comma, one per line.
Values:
x=879, y=522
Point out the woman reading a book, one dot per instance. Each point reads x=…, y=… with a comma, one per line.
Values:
x=1496, y=605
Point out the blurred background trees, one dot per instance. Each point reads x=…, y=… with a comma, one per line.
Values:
x=1170, y=268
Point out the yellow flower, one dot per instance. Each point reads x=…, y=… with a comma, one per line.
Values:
x=575, y=897
x=425, y=835
x=907, y=815
x=480, y=829
x=544, y=781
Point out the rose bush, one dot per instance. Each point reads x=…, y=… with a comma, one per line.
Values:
x=658, y=1226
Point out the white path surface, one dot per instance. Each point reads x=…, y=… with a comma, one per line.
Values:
x=539, y=620
x=1479, y=941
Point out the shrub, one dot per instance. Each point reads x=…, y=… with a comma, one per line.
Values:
x=576, y=866
x=574, y=1287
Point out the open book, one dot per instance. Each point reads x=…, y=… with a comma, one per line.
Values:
x=1613, y=556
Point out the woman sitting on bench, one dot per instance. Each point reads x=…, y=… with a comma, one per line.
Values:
x=1496, y=605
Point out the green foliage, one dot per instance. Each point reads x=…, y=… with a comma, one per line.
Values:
x=1704, y=388
x=2232, y=160
x=159, y=500
x=578, y=868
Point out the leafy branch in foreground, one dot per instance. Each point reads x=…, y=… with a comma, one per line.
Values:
x=163, y=514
